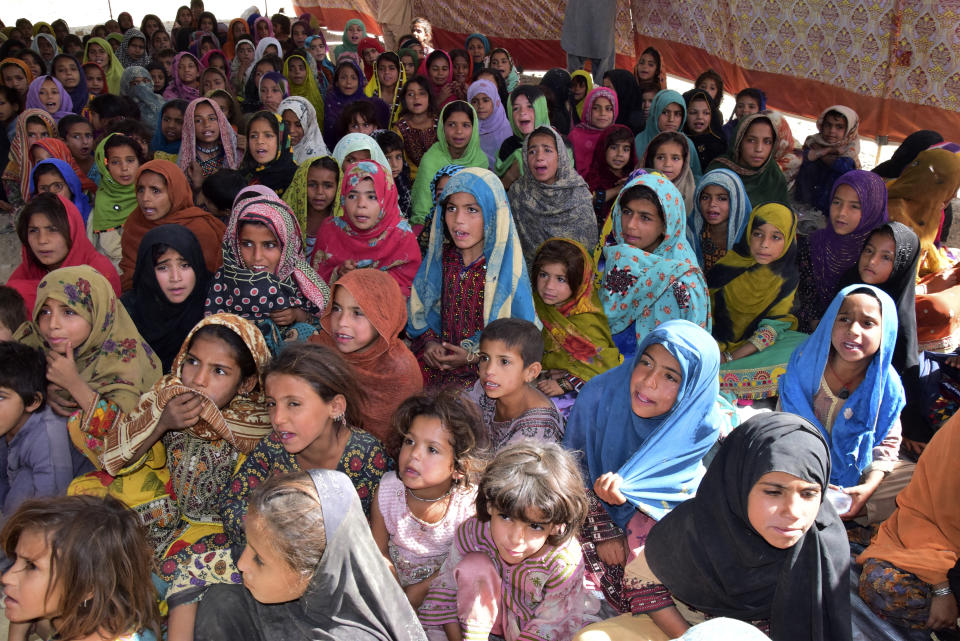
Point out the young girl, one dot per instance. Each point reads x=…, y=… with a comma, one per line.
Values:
x=268, y=160
x=118, y=158
x=473, y=273
x=32, y=125
x=494, y=126
x=613, y=160
x=600, y=112
x=527, y=109
x=67, y=70
x=317, y=47
x=371, y=233
x=648, y=70
x=101, y=53
x=353, y=32
x=312, y=195
x=515, y=569
x=668, y=113
x=58, y=177
x=501, y=61
x=391, y=144
x=387, y=84
x=581, y=84
x=550, y=200
x=630, y=110
x=576, y=334
x=184, y=77
x=272, y=89
x=357, y=147
x=265, y=277
x=133, y=49
x=668, y=154
x=17, y=75
x=650, y=249
x=438, y=69
x=841, y=380
x=858, y=204
x=721, y=208
x=168, y=134
x=748, y=101
x=458, y=142
x=417, y=123
x=348, y=83
x=478, y=46
x=47, y=93
x=360, y=117
x=417, y=510
x=704, y=125
x=305, y=534
x=209, y=142
x=52, y=541
x=302, y=77
x=300, y=120
x=96, y=80
x=752, y=157
x=828, y=154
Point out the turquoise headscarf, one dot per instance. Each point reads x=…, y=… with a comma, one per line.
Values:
x=871, y=409
x=740, y=209
x=506, y=292
x=658, y=458
x=660, y=102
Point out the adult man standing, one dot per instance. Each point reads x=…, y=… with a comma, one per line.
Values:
x=589, y=33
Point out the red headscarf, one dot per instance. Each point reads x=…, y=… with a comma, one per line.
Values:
x=368, y=43
x=59, y=150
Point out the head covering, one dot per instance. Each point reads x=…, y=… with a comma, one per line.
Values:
x=816, y=146
x=345, y=44
x=230, y=45
x=589, y=80
x=576, y=334
x=513, y=78
x=685, y=181
x=629, y=98
x=59, y=150
x=35, y=46
x=373, y=88
x=660, y=102
x=585, y=136
x=740, y=209
x=205, y=63
x=114, y=360
x=105, y=89
x=764, y=184
x=439, y=156
x=369, y=43
x=114, y=201
x=871, y=408
x=33, y=97
x=723, y=629
x=18, y=63
x=278, y=78
x=308, y=90
x=277, y=173
x=163, y=324
x=435, y=89
x=506, y=292
x=296, y=194
x=254, y=295
x=600, y=175
x=312, y=144
x=389, y=245
x=72, y=180
x=625, y=300
x=832, y=254
x=207, y=228
x=188, y=145
x=142, y=94
x=176, y=88
x=359, y=142
x=477, y=66
x=123, y=55
x=29, y=272
x=114, y=69
x=159, y=142
x=387, y=366
x=558, y=82
x=658, y=457
x=563, y=209
x=496, y=128
x=709, y=556
x=79, y=95
x=743, y=292
x=18, y=168
x=911, y=146
x=335, y=100
x=512, y=148
x=262, y=20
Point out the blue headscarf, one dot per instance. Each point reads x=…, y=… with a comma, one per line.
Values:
x=740, y=209
x=660, y=102
x=507, y=292
x=79, y=94
x=159, y=142
x=658, y=458
x=871, y=409
x=72, y=181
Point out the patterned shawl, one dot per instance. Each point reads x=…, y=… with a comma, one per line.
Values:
x=739, y=209
x=309, y=90
x=123, y=55
x=114, y=201
x=312, y=143
x=188, y=145
x=33, y=97
x=176, y=88
x=18, y=168
x=849, y=145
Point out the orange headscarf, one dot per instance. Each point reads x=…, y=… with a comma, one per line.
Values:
x=230, y=46
x=19, y=63
x=59, y=150
x=205, y=226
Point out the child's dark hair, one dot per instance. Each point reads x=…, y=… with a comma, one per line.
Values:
x=71, y=120
x=528, y=476
x=544, y=130
x=109, y=106
x=23, y=369
x=50, y=206
x=642, y=192
x=221, y=187
x=326, y=371
x=129, y=127
x=273, y=59
x=120, y=140
x=751, y=92
x=619, y=134
x=558, y=251
x=518, y=334
x=241, y=353
x=35, y=120
x=179, y=104
x=354, y=111
x=660, y=140
x=836, y=114
x=11, y=96
x=460, y=417
x=388, y=140
x=37, y=60
x=460, y=53
x=422, y=82
x=497, y=79
x=249, y=163
x=46, y=170
x=655, y=81
x=99, y=558
x=710, y=74
x=344, y=64
x=13, y=309
x=459, y=106
x=326, y=162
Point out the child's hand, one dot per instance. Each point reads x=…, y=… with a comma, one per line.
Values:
x=614, y=551
x=550, y=387
x=607, y=489
x=288, y=316
x=62, y=370
x=861, y=494
x=195, y=175
x=432, y=353
x=181, y=412
x=912, y=448
x=347, y=266
x=454, y=356
x=59, y=405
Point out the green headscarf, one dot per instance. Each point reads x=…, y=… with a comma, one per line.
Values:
x=765, y=184
x=114, y=201
x=114, y=70
x=346, y=44
x=541, y=117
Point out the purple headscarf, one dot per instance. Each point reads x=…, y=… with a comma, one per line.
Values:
x=33, y=97
x=176, y=88
x=496, y=128
x=832, y=254
x=334, y=100
x=79, y=94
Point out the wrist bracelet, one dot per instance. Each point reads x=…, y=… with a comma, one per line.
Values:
x=727, y=357
x=944, y=591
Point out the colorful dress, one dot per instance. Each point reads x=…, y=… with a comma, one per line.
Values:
x=538, y=423
x=416, y=142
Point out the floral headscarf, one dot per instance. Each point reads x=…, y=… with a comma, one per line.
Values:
x=123, y=55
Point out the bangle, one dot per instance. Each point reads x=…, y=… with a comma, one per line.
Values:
x=727, y=357
x=944, y=591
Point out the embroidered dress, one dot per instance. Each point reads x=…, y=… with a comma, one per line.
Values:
x=226, y=157
x=538, y=423
x=416, y=142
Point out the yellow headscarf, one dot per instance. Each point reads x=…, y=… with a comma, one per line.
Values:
x=309, y=89
x=113, y=70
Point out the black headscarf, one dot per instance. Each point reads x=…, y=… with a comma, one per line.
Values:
x=629, y=99
x=712, y=142
x=913, y=144
x=558, y=82
x=710, y=557
x=164, y=325
x=277, y=173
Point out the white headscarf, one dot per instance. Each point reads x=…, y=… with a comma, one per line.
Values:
x=312, y=143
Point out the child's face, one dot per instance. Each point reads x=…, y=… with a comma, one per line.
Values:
x=655, y=382
x=13, y=412
x=502, y=372
x=464, y=219
x=53, y=183
x=601, y=113
x=476, y=50
x=35, y=132
x=646, y=67
x=361, y=206
x=501, y=63
x=97, y=54
x=388, y=73
x=136, y=47
x=298, y=35
x=858, y=329
x=205, y=123
x=351, y=329
x=175, y=276
x=14, y=78
x=262, y=30
x=318, y=50
x=461, y=69
x=833, y=129
x=48, y=244
x=877, y=258
x=552, y=284
x=781, y=508
x=642, y=225
x=122, y=163
x=266, y=573
x=38, y=153
x=271, y=95
x=158, y=79
x=458, y=129
x=715, y=204
x=417, y=99
x=767, y=243
x=153, y=196
x=259, y=248
x=359, y=125
x=293, y=126
x=347, y=81
x=321, y=188
x=161, y=41
x=262, y=142
x=646, y=100
x=395, y=159
x=517, y=540
x=355, y=33
x=484, y=106
x=757, y=145
x=408, y=66
x=745, y=106
x=356, y=156
x=670, y=118
x=543, y=159
x=439, y=71
x=62, y=327
x=618, y=155
x=67, y=73
x=668, y=159
x=845, y=210
x=710, y=86
x=171, y=124
x=578, y=88
x=370, y=55
x=80, y=140
x=27, y=584
x=523, y=115
x=297, y=69
x=94, y=80
x=298, y=414
x=426, y=460
x=7, y=109
x=212, y=82
x=211, y=368
x=698, y=116
x=187, y=70
x=245, y=52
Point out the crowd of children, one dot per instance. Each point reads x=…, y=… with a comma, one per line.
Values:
x=367, y=344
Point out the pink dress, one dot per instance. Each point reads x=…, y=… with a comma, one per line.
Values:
x=417, y=548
